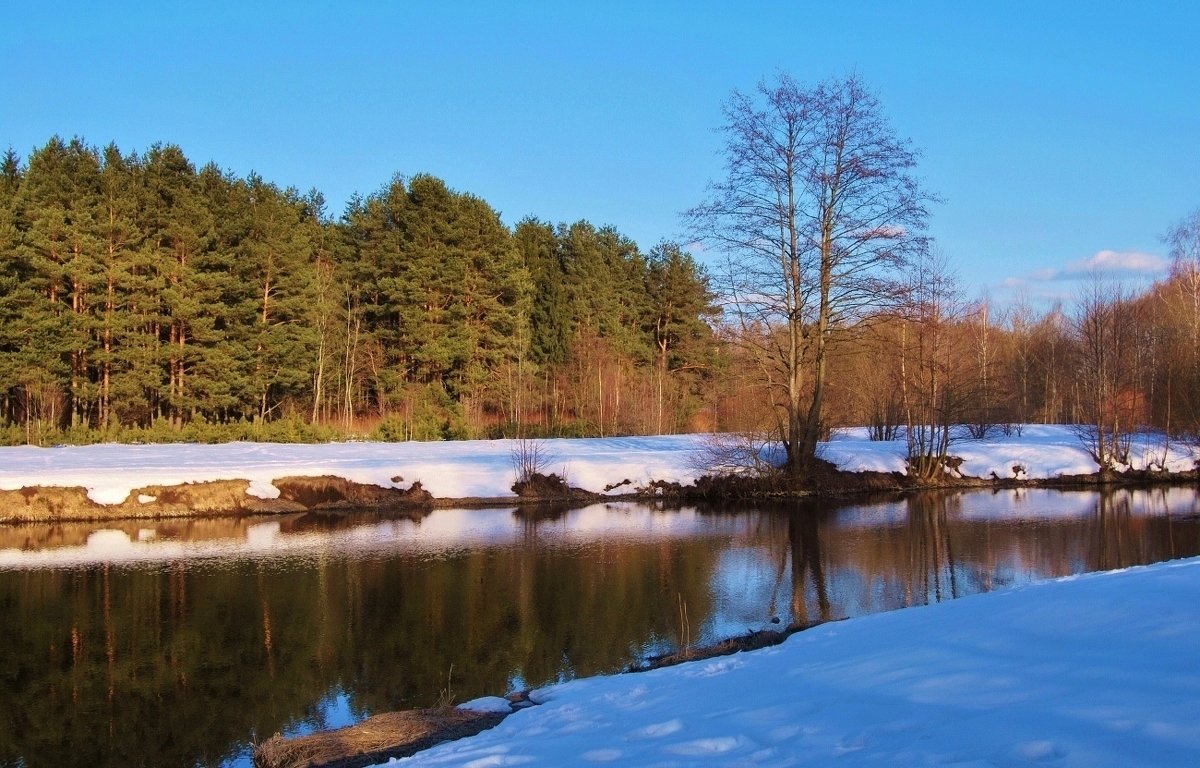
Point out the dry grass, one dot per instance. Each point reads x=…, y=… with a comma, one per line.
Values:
x=375, y=740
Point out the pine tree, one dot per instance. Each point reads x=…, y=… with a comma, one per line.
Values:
x=551, y=317
x=679, y=302
x=57, y=247
x=12, y=285
x=120, y=370
x=181, y=229
x=276, y=261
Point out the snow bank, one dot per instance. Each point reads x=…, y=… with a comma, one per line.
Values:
x=483, y=468
x=455, y=470
x=1096, y=670
x=1042, y=451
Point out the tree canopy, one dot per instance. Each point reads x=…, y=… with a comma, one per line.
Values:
x=139, y=292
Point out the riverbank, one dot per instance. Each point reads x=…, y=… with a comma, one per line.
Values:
x=392, y=735
x=1092, y=670
x=172, y=480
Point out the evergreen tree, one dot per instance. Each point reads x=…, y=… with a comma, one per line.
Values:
x=679, y=303
x=188, y=292
x=135, y=289
x=12, y=285
x=605, y=273
x=274, y=262
x=551, y=315
x=56, y=251
x=124, y=371
x=324, y=313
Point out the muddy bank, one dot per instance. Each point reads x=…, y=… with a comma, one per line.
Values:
x=374, y=740
x=207, y=499
x=328, y=493
x=825, y=481
x=406, y=732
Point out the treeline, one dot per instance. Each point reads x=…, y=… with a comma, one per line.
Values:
x=141, y=298
x=941, y=368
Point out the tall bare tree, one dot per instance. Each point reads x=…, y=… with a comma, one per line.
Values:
x=817, y=214
x=1105, y=328
x=935, y=379
x=1184, y=241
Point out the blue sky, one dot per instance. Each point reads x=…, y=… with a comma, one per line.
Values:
x=1062, y=135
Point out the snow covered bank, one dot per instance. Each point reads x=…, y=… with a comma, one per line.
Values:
x=1043, y=451
x=454, y=470
x=483, y=468
x=1097, y=670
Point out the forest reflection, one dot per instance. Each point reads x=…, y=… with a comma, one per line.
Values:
x=200, y=636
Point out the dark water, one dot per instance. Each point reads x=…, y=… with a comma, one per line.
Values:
x=179, y=643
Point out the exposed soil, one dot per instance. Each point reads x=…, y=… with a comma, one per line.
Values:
x=821, y=479
x=337, y=495
x=399, y=734
x=329, y=492
x=824, y=480
x=751, y=641
x=217, y=497
x=551, y=488
x=375, y=740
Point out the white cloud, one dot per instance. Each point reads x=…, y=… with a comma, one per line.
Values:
x=1126, y=261
x=1052, y=284
x=1105, y=263
x=1130, y=263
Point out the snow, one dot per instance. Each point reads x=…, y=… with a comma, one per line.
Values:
x=1041, y=450
x=483, y=468
x=1095, y=670
x=454, y=470
x=487, y=705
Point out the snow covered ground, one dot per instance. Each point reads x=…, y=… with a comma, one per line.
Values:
x=1095, y=670
x=1041, y=450
x=483, y=468
x=455, y=470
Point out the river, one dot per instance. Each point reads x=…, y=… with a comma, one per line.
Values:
x=182, y=642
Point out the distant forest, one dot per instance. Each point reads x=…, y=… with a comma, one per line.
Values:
x=142, y=298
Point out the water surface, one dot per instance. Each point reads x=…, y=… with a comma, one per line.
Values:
x=182, y=642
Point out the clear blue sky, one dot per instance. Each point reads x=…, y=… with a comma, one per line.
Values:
x=1059, y=133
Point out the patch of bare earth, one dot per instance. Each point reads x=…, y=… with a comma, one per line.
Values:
x=375, y=740
x=216, y=497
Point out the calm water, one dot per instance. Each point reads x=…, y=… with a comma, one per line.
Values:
x=179, y=643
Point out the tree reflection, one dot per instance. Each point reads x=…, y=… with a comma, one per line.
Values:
x=808, y=569
x=177, y=665
x=182, y=662
x=931, y=547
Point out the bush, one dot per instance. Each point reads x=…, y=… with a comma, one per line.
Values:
x=429, y=413
x=529, y=458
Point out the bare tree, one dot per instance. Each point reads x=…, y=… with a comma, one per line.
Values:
x=817, y=213
x=981, y=418
x=1184, y=241
x=1107, y=373
x=935, y=374
x=1022, y=323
